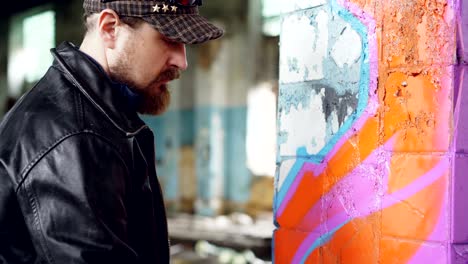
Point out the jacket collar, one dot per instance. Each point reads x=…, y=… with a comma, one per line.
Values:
x=97, y=87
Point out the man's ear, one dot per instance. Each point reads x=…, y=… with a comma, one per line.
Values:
x=107, y=24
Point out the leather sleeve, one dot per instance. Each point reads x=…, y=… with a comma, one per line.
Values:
x=13, y=236
x=74, y=203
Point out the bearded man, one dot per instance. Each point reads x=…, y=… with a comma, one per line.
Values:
x=78, y=179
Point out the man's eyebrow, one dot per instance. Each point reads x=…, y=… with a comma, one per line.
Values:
x=168, y=39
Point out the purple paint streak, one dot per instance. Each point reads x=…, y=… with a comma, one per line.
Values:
x=459, y=254
x=459, y=207
x=368, y=198
x=359, y=193
x=430, y=253
x=461, y=111
x=463, y=31
x=363, y=193
x=435, y=252
x=419, y=184
x=459, y=188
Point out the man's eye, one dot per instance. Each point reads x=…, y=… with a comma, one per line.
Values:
x=170, y=42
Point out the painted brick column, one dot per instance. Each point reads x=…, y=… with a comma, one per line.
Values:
x=223, y=179
x=210, y=100
x=372, y=150
x=459, y=187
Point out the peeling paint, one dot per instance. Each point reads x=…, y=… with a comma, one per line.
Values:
x=301, y=103
x=433, y=22
x=308, y=121
x=302, y=61
x=345, y=82
x=294, y=5
x=339, y=105
x=347, y=49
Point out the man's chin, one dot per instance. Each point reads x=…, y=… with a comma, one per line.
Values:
x=155, y=104
x=153, y=112
x=153, y=107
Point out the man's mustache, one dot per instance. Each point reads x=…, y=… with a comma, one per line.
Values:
x=168, y=75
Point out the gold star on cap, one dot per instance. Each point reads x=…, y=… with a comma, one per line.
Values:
x=156, y=8
x=165, y=8
x=174, y=9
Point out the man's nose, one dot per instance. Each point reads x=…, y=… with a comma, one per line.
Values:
x=179, y=58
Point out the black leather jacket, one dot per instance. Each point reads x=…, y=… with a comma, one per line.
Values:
x=77, y=173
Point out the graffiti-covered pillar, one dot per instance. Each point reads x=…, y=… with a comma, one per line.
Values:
x=373, y=132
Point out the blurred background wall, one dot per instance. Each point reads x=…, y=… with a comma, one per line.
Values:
x=216, y=146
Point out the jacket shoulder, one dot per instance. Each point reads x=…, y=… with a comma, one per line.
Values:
x=51, y=111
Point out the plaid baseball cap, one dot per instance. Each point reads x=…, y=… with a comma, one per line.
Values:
x=178, y=20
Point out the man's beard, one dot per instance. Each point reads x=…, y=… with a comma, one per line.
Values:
x=154, y=99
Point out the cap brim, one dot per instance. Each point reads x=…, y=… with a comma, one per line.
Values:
x=185, y=28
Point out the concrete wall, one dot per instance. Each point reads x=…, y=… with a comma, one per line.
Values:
x=372, y=141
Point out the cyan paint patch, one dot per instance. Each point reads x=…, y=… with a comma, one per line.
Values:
x=219, y=136
x=284, y=181
x=167, y=143
x=209, y=175
x=156, y=123
x=187, y=127
x=292, y=96
x=320, y=242
x=335, y=101
x=238, y=177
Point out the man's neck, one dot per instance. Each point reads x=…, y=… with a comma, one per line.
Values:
x=92, y=47
x=133, y=98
